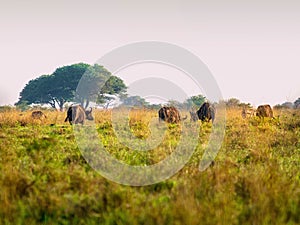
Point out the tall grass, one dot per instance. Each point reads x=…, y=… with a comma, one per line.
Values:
x=255, y=178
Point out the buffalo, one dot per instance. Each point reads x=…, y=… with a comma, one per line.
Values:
x=248, y=112
x=77, y=114
x=264, y=111
x=38, y=115
x=169, y=114
x=206, y=112
x=194, y=116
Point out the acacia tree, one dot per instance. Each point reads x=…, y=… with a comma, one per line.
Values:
x=35, y=92
x=100, y=86
x=55, y=89
x=60, y=87
x=64, y=82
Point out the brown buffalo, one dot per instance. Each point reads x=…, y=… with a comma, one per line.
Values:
x=248, y=112
x=38, y=115
x=264, y=111
x=206, y=112
x=169, y=114
x=77, y=114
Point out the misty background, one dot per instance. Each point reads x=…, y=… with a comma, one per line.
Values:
x=252, y=48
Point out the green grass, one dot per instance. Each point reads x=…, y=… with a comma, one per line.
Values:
x=255, y=178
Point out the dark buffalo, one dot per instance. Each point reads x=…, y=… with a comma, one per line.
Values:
x=206, y=112
x=264, y=111
x=77, y=114
x=169, y=114
x=38, y=115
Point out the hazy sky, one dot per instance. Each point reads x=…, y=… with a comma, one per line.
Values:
x=251, y=47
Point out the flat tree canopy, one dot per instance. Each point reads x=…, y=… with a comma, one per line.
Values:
x=78, y=82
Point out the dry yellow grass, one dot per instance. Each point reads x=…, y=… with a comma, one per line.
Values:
x=45, y=180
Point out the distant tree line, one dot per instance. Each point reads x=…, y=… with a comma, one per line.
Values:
x=289, y=105
x=191, y=102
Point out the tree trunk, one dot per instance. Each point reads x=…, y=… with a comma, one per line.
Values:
x=107, y=104
x=87, y=104
x=61, y=105
x=52, y=104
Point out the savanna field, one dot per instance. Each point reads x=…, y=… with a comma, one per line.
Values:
x=255, y=178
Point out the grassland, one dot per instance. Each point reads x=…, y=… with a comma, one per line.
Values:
x=255, y=178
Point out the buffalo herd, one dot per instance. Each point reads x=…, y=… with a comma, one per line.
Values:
x=207, y=112
x=261, y=111
x=76, y=114
x=171, y=115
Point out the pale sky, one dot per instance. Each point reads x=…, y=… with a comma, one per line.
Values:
x=252, y=48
